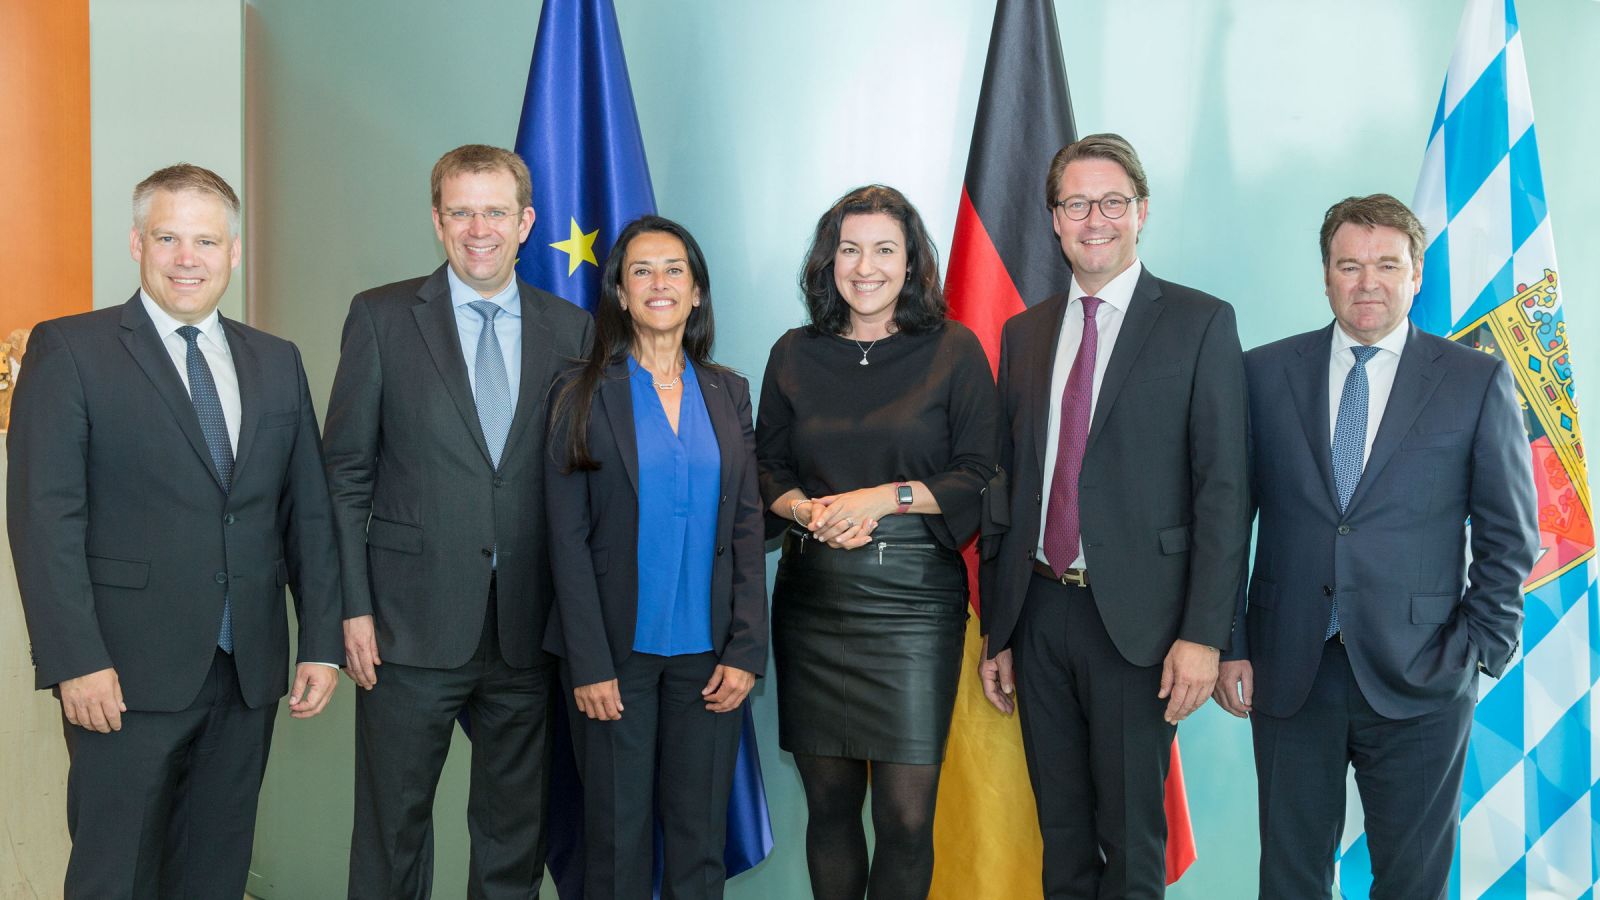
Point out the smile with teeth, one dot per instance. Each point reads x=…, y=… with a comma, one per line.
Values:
x=1095, y=242
x=481, y=251
x=177, y=280
x=660, y=302
x=867, y=287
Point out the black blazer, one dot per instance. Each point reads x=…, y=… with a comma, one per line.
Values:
x=1164, y=496
x=124, y=539
x=1418, y=622
x=420, y=507
x=594, y=533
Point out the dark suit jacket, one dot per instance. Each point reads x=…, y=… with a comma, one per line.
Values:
x=1163, y=506
x=421, y=510
x=124, y=539
x=594, y=535
x=1416, y=619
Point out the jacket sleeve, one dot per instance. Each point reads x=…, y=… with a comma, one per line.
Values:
x=47, y=511
x=1502, y=504
x=309, y=545
x=569, y=523
x=355, y=410
x=747, y=639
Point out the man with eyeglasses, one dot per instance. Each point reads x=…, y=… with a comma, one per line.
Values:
x=435, y=434
x=1106, y=603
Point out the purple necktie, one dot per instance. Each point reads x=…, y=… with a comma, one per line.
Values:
x=1061, y=529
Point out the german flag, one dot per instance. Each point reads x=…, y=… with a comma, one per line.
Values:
x=1004, y=257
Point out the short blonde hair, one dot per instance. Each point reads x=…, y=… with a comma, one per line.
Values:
x=178, y=179
x=476, y=158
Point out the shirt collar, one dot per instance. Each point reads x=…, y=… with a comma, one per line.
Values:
x=1393, y=342
x=509, y=299
x=1118, y=291
x=166, y=325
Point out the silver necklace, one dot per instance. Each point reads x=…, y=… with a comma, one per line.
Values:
x=865, y=350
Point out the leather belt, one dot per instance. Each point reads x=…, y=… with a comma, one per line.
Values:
x=1073, y=577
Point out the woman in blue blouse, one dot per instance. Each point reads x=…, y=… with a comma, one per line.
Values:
x=655, y=525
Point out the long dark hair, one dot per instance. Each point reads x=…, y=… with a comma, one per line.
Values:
x=613, y=338
x=921, y=306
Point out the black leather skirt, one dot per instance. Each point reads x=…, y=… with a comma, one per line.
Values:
x=868, y=644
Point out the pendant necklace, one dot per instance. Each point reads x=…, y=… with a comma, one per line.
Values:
x=669, y=385
x=865, y=350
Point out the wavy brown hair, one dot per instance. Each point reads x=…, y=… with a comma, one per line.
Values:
x=920, y=307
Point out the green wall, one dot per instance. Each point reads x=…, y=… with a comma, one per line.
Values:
x=1251, y=117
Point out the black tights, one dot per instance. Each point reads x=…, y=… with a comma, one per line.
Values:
x=902, y=820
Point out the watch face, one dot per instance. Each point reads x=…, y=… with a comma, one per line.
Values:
x=902, y=495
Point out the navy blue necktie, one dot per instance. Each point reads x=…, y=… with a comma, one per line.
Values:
x=1350, y=445
x=208, y=407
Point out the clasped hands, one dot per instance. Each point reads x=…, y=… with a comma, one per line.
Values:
x=846, y=521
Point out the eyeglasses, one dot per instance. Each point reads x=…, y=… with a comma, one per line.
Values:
x=465, y=216
x=1112, y=206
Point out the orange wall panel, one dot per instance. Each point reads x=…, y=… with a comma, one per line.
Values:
x=45, y=237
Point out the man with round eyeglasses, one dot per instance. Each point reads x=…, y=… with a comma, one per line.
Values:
x=1107, y=602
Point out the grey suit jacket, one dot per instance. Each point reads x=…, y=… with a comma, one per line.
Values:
x=124, y=540
x=421, y=510
x=1417, y=617
x=1164, y=499
x=594, y=535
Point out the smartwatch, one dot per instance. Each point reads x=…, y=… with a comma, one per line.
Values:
x=903, y=497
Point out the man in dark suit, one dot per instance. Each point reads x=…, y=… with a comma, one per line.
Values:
x=1373, y=446
x=1123, y=433
x=165, y=485
x=435, y=436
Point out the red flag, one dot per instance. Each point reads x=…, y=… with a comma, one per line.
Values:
x=1003, y=258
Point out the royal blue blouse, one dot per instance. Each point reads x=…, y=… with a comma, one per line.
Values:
x=680, y=479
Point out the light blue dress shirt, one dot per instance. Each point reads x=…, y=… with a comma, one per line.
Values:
x=507, y=327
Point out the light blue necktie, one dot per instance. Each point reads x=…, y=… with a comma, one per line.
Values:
x=208, y=407
x=493, y=389
x=1350, y=445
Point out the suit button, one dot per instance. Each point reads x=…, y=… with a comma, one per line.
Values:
x=221, y=577
x=1327, y=591
x=228, y=519
x=498, y=481
x=487, y=551
x=720, y=548
x=1344, y=529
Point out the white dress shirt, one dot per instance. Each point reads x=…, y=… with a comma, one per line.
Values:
x=213, y=343
x=1380, y=378
x=1117, y=294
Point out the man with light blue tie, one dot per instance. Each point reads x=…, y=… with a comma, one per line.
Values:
x=165, y=485
x=1393, y=479
x=435, y=437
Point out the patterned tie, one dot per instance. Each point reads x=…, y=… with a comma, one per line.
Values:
x=1061, y=529
x=493, y=393
x=208, y=407
x=1349, y=445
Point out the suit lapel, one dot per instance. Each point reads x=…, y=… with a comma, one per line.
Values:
x=538, y=356
x=616, y=393
x=1143, y=310
x=139, y=336
x=436, y=319
x=247, y=366
x=1415, y=380
x=1039, y=365
x=724, y=424
x=1307, y=376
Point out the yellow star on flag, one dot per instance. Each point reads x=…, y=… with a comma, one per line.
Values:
x=579, y=248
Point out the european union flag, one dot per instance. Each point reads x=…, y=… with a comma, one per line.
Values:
x=579, y=134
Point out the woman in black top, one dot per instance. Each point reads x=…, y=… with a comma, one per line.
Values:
x=875, y=438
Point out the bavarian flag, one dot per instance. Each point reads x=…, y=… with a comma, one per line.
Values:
x=1003, y=258
x=579, y=134
x=1490, y=281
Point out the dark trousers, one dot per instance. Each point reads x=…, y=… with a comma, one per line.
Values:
x=403, y=730
x=667, y=752
x=1097, y=748
x=166, y=807
x=1408, y=772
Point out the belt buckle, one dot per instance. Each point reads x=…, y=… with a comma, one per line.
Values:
x=1075, y=577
